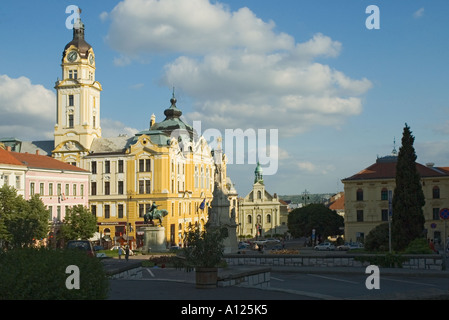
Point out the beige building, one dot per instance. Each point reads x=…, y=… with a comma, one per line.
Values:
x=259, y=211
x=367, y=198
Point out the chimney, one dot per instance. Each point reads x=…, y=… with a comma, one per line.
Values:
x=8, y=148
x=430, y=164
x=37, y=152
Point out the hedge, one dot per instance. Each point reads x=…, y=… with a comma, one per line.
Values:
x=40, y=274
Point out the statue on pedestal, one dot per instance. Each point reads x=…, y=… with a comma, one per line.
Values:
x=154, y=213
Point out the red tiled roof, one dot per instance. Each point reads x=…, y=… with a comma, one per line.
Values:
x=338, y=204
x=387, y=170
x=44, y=162
x=7, y=158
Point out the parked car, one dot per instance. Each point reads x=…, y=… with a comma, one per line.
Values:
x=355, y=245
x=98, y=248
x=84, y=245
x=325, y=246
x=343, y=247
x=277, y=247
x=243, y=245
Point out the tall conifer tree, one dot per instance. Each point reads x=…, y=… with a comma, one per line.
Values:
x=408, y=199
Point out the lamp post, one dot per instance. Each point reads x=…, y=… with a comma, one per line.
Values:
x=127, y=223
x=390, y=214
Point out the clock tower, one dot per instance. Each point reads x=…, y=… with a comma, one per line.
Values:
x=78, y=100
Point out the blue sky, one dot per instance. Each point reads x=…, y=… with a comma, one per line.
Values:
x=337, y=93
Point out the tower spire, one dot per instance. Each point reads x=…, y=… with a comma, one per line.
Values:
x=394, y=152
x=78, y=27
x=258, y=174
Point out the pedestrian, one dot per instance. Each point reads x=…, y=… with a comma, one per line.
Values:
x=120, y=252
x=432, y=246
x=127, y=253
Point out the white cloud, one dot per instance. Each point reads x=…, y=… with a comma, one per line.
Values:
x=419, y=13
x=104, y=16
x=236, y=69
x=306, y=166
x=142, y=26
x=23, y=103
x=113, y=128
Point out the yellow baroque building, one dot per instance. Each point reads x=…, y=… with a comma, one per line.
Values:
x=167, y=164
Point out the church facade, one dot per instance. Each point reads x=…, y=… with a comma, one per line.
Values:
x=259, y=211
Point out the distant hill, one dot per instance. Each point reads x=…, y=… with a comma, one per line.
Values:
x=312, y=198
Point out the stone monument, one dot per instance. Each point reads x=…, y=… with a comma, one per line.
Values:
x=221, y=212
x=154, y=239
x=154, y=236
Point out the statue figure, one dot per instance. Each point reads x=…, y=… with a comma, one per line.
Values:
x=154, y=213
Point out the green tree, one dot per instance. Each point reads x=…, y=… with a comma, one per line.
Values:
x=325, y=221
x=79, y=223
x=21, y=221
x=377, y=238
x=408, y=198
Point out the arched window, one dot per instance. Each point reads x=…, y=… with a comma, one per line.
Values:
x=259, y=194
x=196, y=177
x=384, y=194
x=436, y=192
x=359, y=195
x=202, y=178
x=250, y=220
x=268, y=218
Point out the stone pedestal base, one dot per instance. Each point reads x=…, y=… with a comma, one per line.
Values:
x=230, y=243
x=154, y=240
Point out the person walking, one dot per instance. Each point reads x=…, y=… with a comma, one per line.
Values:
x=120, y=252
x=432, y=246
x=127, y=253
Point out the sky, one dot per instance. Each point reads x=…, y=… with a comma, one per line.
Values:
x=323, y=86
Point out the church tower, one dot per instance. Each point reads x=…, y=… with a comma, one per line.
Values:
x=78, y=100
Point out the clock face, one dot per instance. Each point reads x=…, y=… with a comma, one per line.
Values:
x=91, y=59
x=72, y=56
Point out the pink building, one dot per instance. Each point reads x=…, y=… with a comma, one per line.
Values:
x=59, y=184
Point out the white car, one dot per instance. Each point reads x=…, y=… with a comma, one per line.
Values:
x=325, y=246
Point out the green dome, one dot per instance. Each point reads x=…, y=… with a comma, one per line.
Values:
x=172, y=120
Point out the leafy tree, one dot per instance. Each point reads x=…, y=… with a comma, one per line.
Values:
x=325, y=221
x=377, y=238
x=408, y=199
x=21, y=221
x=79, y=223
